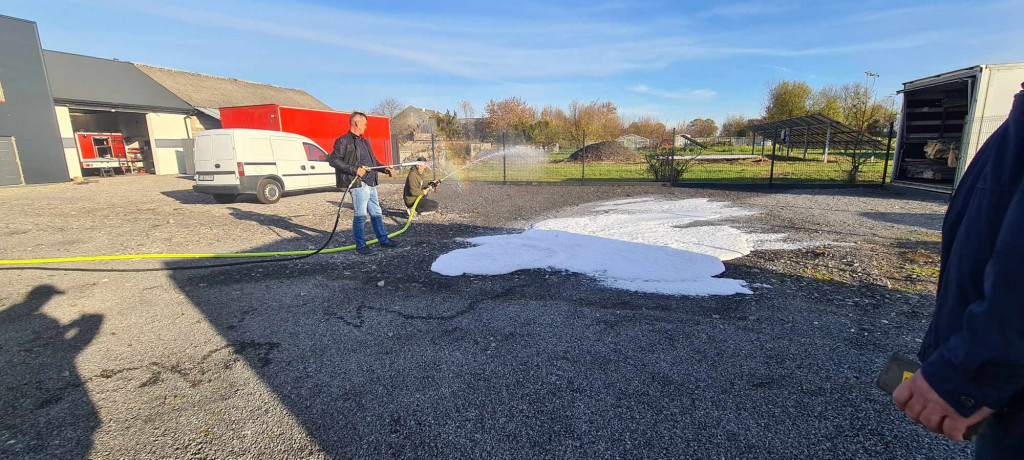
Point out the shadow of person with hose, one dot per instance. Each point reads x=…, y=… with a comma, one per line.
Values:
x=45, y=410
x=275, y=223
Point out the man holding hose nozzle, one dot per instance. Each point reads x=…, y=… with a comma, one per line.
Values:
x=350, y=158
x=973, y=353
x=416, y=185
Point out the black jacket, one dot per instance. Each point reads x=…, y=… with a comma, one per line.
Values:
x=345, y=160
x=973, y=352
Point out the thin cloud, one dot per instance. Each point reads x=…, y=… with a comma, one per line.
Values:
x=489, y=49
x=746, y=9
x=689, y=94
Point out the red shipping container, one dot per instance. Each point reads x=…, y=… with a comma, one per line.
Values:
x=321, y=126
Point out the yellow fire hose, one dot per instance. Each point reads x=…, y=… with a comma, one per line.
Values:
x=225, y=255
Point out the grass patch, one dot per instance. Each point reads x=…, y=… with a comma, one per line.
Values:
x=792, y=168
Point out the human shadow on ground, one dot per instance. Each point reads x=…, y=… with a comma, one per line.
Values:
x=193, y=197
x=45, y=410
x=275, y=223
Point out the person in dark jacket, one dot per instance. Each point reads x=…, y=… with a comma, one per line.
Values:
x=973, y=353
x=415, y=186
x=351, y=153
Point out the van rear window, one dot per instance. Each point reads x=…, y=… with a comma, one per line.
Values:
x=222, y=148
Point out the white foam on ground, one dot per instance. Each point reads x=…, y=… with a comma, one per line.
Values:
x=640, y=244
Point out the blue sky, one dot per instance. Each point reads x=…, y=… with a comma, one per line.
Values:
x=671, y=60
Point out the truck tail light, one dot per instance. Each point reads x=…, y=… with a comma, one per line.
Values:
x=241, y=169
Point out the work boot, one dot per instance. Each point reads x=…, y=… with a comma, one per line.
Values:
x=391, y=244
x=364, y=250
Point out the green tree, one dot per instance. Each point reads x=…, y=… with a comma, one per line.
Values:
x=827, y=101
x=734, y=126
x=786, y=99
x=448, y=126
x=701, y=127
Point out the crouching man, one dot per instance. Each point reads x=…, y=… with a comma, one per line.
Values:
x=416, y=186
x=351, y=153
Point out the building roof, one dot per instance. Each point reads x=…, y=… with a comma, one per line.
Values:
x=413, y=119
x=105, y=83
x=816, y=130
x=208, y=91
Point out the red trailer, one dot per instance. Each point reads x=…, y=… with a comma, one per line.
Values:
x=322, y=126
x=101, y=151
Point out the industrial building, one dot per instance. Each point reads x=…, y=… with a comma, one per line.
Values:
x=65, y=115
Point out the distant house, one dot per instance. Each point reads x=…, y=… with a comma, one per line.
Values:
x=208, y=93
x=636, y=142
x=412, y=122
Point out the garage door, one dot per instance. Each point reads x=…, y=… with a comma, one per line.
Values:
x=10, y=173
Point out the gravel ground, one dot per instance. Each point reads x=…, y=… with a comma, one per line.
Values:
x=317, y=359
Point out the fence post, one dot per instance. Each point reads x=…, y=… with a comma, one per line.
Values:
x=888, y=149
x=433, y=156
x=504, y=159
x=806, y=132
x=583, y=179
x=771, y=171
x=753, y=141
x=672, y=160
x=828, y=137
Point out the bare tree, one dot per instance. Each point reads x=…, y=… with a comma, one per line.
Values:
x=387, y=107
x=860, y=110
x=467, y=109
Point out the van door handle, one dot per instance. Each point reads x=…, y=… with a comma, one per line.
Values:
x=303, y=167
x=216, y=165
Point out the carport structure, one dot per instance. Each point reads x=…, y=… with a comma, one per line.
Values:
x=818, y=132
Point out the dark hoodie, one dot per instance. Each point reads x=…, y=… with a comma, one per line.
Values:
x=973, y=352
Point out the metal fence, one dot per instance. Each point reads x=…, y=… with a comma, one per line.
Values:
x=513, y=158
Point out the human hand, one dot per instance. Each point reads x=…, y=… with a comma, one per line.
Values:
x=390, y=172
x=361, y=171
x=916, y=398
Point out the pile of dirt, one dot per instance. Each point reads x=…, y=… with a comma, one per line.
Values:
x=607, y=151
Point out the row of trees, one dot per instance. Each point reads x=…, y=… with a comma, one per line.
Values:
x=854, y=104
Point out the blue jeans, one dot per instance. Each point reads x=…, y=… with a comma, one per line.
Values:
x=994, y=444
x=364, y=201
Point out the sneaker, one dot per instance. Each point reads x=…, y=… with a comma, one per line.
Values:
x=391, y=244
x=365, y=250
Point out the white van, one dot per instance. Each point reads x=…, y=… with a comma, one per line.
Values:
x=231, y=162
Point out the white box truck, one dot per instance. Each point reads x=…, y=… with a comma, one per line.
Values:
x=945, y=120
x=232, y=162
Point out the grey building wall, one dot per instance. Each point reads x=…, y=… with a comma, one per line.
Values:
x=29, y=115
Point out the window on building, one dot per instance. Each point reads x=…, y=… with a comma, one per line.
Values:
x=314, y=153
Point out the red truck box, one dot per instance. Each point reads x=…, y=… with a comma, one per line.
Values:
x=321, y=126
x=101, y=150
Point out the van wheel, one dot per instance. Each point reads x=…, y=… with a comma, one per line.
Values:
x=269, y=191
x=224, y=198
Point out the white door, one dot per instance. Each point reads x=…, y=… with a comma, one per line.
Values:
x=291, y=162
x=215, y=160
x=321, y=174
